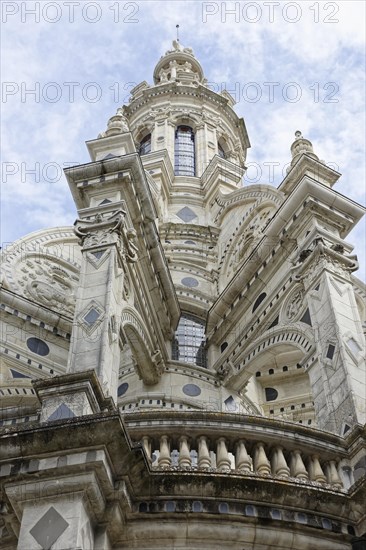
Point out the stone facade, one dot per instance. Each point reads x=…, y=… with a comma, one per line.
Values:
x=185, y=368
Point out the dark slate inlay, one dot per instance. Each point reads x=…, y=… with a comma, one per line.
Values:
x=258, y=301
x=38, y=346
x=192, y=390
x=16, y=374
x=186, y=214
x=92, y=316
x=49, y=528
x=105, y=201
x=191, y=282
x=98, y=254
x=61, y=412
x=122, y=389
x=306, y=318
x=330, y=351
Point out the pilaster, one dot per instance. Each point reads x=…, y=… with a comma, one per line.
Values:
x=338, y=376
x=106, y=246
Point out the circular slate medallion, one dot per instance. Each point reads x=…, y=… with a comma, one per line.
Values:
x=192, y=390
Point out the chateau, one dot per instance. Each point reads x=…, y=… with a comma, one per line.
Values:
x=185, y=367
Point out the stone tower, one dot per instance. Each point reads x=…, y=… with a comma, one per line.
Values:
x=185, y=368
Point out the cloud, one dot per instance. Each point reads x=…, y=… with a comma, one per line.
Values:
x=116, y=53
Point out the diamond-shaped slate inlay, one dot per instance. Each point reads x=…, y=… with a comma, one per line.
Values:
x=97, y=257
x=186, y=214
x=61, y=412
x=92, y=317
x=109, y=156
x=49, y=528
x=98, y=254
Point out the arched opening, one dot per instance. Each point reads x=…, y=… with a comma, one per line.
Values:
x=223, y=346
x=184, y=152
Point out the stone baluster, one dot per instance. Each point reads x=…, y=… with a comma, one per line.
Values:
x=315, y=470
x=146, y=443
x=261, y=463
x=204, y=459
x=222, y=457
x=332, y=475
x=243, y=461
x=297, y=466
x=279, y=464
x=184, y=459
x=164, y=459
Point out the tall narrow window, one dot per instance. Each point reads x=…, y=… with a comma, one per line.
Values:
x=145, y=145
x=221, y=151
x=184, y=157
x=189, y=342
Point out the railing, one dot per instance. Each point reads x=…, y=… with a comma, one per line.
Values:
x=253, y=446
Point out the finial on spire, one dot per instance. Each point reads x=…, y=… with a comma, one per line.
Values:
x=300, y=147
x=177, y=27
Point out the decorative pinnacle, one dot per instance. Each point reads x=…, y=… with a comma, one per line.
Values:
x=177, y=27
x=298, y=134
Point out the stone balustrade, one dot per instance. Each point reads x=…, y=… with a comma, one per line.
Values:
x=254, y=446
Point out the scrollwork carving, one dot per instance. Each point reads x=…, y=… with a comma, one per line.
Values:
x=106, y=231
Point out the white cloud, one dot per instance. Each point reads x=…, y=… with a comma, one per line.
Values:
x=114, y=55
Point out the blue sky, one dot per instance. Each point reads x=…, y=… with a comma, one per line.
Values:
x=290, y=66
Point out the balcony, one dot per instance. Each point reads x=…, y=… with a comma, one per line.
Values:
x=249, y=446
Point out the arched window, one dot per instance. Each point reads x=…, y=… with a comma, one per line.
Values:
x=221, y=151
x=145, y=145
x=184, y=153
x=189, y=341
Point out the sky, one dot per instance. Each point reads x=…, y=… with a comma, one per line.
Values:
x=68, y=65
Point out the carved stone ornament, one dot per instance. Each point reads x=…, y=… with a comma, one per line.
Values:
x=103, y=230
x=223, y=371
x=49, y=284
x=294, y=305
x=158, y=362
